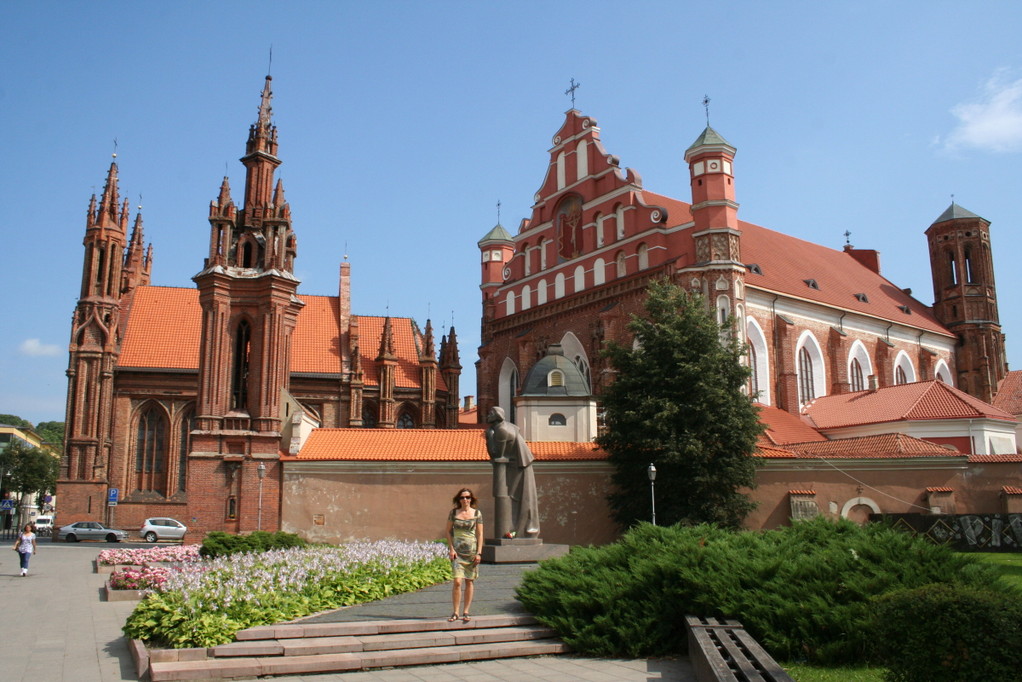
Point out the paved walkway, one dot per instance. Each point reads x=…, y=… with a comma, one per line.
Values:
x=56, y=627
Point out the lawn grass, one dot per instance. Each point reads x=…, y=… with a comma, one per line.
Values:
x=1008, y=563
x=802, y=672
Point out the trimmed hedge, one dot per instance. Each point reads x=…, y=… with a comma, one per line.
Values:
x=804, y=591
x=218, y=543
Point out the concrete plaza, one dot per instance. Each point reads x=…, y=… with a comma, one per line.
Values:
x=56, y=626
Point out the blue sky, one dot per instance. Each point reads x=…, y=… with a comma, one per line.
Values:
x=401, y=124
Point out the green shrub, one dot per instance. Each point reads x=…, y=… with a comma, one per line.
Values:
x=803, y=591
x=218, y=543
x=941, y=633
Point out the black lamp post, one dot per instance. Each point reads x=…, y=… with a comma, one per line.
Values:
x=651, y=472
x=261, y=470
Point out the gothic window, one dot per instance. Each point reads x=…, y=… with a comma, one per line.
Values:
x=100, y=266
x=899, y=376
x=583, y=367
x=952, y=268
x=754, y=374
x=405, y=420
x=806, y=389
x=855, y=376
x=904, y=372
x=369, y=416
x=239, y=376
x=557, y=419
x=723, y=309
x=151, y=450
x=232, y=507
x=184, y=447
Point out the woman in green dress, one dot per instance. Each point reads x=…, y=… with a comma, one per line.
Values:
x=465, y=542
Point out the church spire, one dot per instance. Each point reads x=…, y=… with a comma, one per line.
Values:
x=107, y=214
x=260, y=157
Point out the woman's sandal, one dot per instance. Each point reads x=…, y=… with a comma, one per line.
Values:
x=453, y=618
x=465, y=618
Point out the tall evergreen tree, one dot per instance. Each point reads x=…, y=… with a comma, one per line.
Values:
x=677, y=402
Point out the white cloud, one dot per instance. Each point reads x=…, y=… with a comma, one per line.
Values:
x=993, y=122
x=35, y=348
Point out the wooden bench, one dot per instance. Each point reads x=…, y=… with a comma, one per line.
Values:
x=722, y=651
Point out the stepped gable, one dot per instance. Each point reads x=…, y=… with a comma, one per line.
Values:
x=165, y=322
x=1009, y=393
x=783, y=427
x=424, y=445
x=919, y=401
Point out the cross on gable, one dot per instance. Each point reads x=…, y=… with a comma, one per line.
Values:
x=571, y=91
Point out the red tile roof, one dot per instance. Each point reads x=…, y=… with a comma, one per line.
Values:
x=1011, y=490
x=424, y=445
x=801, y=492
x=882, y=446
x=923, y=400
x=1009, y=393
x=995, y=459
x=940, y=489
x=165, y=323
x=785, y=427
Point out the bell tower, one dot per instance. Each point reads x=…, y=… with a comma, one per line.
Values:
x=965, y=298
x=248, y=295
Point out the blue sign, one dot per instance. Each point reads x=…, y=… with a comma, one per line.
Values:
x=6, y=505
x=111, y=496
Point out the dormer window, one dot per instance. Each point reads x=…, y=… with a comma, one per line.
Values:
x=863, y=298
x=811, y=283
x=754, y=268
x=555, y=378
x=905, y=309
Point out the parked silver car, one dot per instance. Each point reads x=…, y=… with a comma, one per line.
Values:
x=90, y=530
x=162, y=528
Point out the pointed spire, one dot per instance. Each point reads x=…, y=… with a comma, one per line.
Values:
x=387, y=342
x=225, y=194
x=278, y=194
x=137, y=232
x=265, y=110
x=108, y=205
x=454, y=359
x=428, y=344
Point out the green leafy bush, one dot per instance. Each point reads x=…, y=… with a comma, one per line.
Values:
x=940, y=633
x=803, y=591
x=218, y=543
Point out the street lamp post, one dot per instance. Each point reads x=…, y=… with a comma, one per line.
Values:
x=651, y=472
x=261, y=470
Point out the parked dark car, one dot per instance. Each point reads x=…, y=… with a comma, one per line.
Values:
x=90, y=530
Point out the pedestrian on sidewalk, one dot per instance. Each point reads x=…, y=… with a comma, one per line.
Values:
x=465, y=542
x=25, y=547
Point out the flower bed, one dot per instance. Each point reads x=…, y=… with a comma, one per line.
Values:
x=205, y=603
x=149, y=555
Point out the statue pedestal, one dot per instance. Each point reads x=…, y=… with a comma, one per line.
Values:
x=520, y=551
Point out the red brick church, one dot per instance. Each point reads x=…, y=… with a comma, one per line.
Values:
x=184, y=399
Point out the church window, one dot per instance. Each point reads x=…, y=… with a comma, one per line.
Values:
x=619, y=213
x=582, y=159
x=405, y=420
x=507, y=387
x=151, y=450
x=557, y=419
x=899, y=376
x=806, y=390
x=100, y=266
x=970, y=275
x=232, y=508
x=528, y=258
x=526, y=297
x=542, y=254
x=904, y=372
x=599, y=272
x=643, y=252
x=723, y=309
x=247, y=255
x=541, y=292
x=952, y=269
x=239, y=377
x=583, y=368
x=855, y=376
x=754, y=373
x=622, y=269
x=580, y=278
x=369, y=416
x=561, y=180
x=598, y=220
x=510, y=303
x=559, y=285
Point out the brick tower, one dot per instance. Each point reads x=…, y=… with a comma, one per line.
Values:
x=965, y=298
x=247, y=292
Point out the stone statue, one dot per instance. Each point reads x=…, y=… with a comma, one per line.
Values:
x=514, y=483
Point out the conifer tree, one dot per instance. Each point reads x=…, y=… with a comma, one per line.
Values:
x=677, y=402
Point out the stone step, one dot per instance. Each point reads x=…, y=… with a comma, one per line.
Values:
x=375, y=627
x=221, y=668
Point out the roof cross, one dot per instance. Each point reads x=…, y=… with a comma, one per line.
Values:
x=847, y=235
x=498, y=211
x=706, y=105
x=571, y=91
x=115, y=148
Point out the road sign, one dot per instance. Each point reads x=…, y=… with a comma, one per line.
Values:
x=6, y=505
x=111, y=497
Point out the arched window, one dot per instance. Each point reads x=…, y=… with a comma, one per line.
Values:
x=600, y=239
x=541, y=292
x=580, y=278
x=723, y=309
x=405, y=420
x=527, y=257
x=509, y=303
x=184, y=447
x=369, y=415
x=759, y=361
x=806, y=390
x=561, y=180
x=581, y=159
x=599, y=272
x=899, y=376
x=643, y=253
x=151, y=450
x=619, y=213
x=559, y=285
x=239, y=375
x=753, y=373
x=904, y=372
x=855, y=378
x=942, y=372
x=526, y=297
x=557, y=419
x=247, y=254
x=619, y=261
x=574, y=349
x=555, y=378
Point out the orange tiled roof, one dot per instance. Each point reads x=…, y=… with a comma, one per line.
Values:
x=996, y=459
x=784, y=427
x=423, y=445
x=801, y=492
x=165, y=323
x=940, y=489
x=1011, y=490
x=923, y=400
x=1009, y=393
x=882, y=446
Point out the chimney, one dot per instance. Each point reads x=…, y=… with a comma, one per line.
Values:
x=470, y=402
